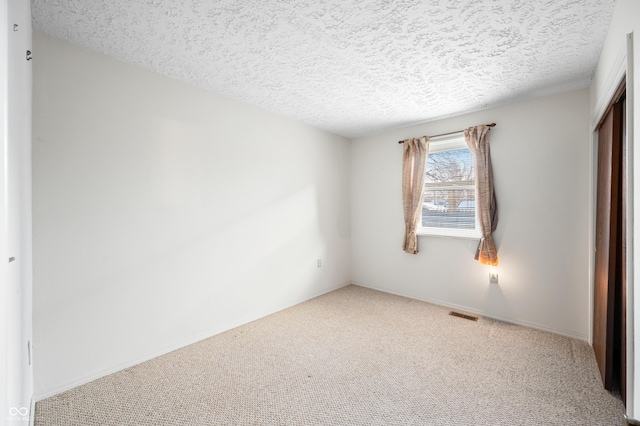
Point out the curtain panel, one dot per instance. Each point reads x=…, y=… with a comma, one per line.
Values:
x=414, y=158
x=477, y=139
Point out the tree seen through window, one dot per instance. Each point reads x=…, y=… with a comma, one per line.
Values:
x=449, y=196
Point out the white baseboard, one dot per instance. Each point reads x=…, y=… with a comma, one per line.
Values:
x=96, y=375
x=479, y=312
x=32, y=411
x=105, y=372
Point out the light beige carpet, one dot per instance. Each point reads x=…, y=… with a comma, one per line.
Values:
x=353, y=357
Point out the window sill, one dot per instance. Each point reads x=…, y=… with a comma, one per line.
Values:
x=449, y=233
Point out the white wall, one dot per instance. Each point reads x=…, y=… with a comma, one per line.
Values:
x=625, y=22
x=5, y=334
x=540, y=152
x=164, y=214
x=16, y=212
x=5, y=295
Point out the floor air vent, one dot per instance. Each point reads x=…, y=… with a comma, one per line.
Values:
x=465, y=316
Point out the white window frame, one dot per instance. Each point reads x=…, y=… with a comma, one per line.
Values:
x=449, y=143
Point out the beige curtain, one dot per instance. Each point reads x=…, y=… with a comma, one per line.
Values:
x=414, y=158
x=487, y=210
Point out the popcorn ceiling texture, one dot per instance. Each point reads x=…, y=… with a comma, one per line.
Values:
x=352, y=67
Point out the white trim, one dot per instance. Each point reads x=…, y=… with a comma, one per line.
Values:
x=473, y=234
x=623, y=66
x=447, y=142
x=630, y=345
x=615, y=76
x=105, y=372
x=32, y=411
x=4, y=304
x=478, y=312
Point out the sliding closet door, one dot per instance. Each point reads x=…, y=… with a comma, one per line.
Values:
x=607, y=233
x=620, y=323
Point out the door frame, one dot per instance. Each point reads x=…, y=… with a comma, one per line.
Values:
x=4, y=270
x=623, y=68
x=16, y=369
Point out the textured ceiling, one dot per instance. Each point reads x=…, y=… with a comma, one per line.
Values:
x=352, y=67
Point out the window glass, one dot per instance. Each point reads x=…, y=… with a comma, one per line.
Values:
x=448, y=206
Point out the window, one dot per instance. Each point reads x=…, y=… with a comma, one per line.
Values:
x=449, y=203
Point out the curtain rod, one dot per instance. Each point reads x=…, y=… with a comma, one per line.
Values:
x=453, y=133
